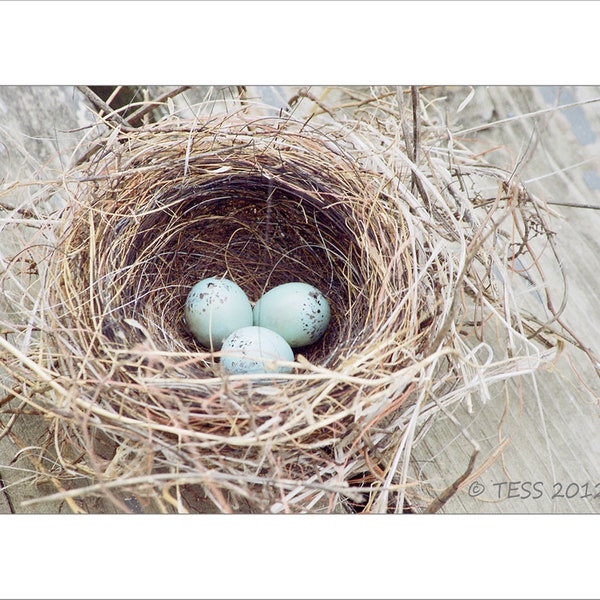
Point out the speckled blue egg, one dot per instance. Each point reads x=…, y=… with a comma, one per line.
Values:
x=253, y=350
x=297, y=311
x=214, y=308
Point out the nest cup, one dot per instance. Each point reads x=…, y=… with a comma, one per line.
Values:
x=262, y=202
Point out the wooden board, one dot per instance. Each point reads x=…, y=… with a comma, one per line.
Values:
x=549, y=430
x=39, y=130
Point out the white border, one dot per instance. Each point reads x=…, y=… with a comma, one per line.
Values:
x=299, y=42
x=409, y=556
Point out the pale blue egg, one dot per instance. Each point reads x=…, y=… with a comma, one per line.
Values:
x=253, y=350
x=214, y=308
x=297, y=311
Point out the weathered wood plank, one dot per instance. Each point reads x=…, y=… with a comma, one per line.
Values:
x=39, y=130
x=554, y=438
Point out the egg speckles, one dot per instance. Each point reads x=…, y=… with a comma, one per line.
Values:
x=297, y=311
x=215, y=308
x=254, y=350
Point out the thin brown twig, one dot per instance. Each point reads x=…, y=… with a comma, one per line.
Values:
x=439, y=502
x=135, y=117
x=101, y=105
x=414, y=94
x=305, y=93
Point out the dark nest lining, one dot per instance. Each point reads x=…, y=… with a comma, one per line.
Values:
x=259, y=235
x=266, y=220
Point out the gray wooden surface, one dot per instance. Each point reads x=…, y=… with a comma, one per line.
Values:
x=545, y=442
x=39, y=129
x=538, y=443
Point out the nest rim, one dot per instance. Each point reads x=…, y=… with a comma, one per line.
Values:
x=217, y=160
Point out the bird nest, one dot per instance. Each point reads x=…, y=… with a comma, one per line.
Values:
x=414, y=260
